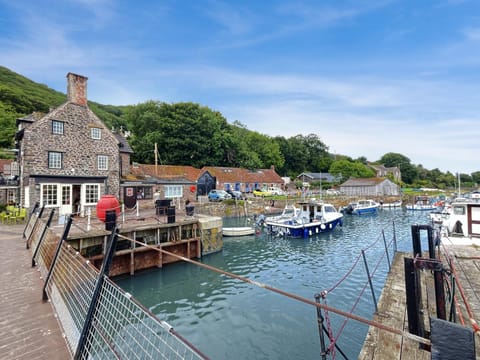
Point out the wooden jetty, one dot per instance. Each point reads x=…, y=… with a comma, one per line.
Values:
x=462, y=259
x=29, y=328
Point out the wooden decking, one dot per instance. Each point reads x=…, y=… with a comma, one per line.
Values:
x=383, y=345
x=29, y=328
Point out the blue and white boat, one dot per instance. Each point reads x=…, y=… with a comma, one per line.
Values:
x=365, y=207
x=305, y=219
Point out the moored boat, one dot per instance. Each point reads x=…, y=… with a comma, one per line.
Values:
x=238, y=231
x=348, y=209
x=463, y=218
x=366, y=207
x=308, y=219
x=439, y=217
x=391, y=205
x=422, y=203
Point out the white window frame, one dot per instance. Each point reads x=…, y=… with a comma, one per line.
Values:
x=173, y=191
x=96, y=133
x=102, y=162
x=55, y=160
x=92, y=194
x=58, y=127
x=49, y=195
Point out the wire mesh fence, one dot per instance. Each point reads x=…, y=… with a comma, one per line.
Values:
x=120, y=327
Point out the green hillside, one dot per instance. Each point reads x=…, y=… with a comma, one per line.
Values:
x=20, y=96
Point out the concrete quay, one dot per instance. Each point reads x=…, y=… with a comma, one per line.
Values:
x=28, y=326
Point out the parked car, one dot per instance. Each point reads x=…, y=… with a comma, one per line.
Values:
x=275, y=190
x=261, y=192
x=218, y=195
x=332, y=192
x=235, y=194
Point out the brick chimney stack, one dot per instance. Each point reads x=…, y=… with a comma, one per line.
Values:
x=77, y=89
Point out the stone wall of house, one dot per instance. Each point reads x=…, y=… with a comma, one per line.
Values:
x=79, y=149
x=125, y=163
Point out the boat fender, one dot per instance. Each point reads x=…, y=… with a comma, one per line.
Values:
x=323, y=227
x=329, y=226
x=316, y=230
x=310, y=232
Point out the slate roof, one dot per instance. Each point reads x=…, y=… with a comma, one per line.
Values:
x=232, y=175
x=190, y=173
x=165, y=172
x=123, y=143
x=317, y=176
x=363, y=181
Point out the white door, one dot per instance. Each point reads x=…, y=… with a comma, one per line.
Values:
x=66, y=200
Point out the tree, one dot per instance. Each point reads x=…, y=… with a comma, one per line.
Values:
x=347, y=169
x=476, y=177
x=409, y=172
x=7, y=125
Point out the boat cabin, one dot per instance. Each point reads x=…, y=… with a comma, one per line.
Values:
x=464, y=219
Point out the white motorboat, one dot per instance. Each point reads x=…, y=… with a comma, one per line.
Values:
x=308, y=219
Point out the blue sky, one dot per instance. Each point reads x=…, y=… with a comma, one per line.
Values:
x=367, y=77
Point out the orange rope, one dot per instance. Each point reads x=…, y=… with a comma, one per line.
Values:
x=473, y=322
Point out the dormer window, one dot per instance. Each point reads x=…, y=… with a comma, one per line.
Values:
x=57, y=127
x=96, y=133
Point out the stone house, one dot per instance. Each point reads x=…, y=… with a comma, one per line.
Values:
x=369, y=187
x=308, y=177
x=188, y=183
x=174, y=182
x=67, y=158
x=240, y=179
x=8, y=181
x=382, y=171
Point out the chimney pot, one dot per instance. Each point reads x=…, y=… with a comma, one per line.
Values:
x=77, y=89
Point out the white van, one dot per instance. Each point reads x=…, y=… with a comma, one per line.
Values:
x=275, y=190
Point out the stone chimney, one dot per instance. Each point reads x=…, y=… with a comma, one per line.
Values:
x=77, y=89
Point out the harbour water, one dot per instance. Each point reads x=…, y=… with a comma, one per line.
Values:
x=230, y=319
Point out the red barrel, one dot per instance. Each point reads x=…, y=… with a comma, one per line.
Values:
x=107, y=203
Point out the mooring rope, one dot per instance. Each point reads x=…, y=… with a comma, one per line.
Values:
x=473, y=322
x=359, y=297
x=290, y=295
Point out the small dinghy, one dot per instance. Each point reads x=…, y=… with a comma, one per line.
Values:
x=238, y=231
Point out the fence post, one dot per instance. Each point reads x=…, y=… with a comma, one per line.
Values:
x=413, y=293
x=439, y=290
x=55, y=257
x=104, y=270
x=36, y=221
x=431, y=243
x=37, y=205
x=386, y=251
x=322, y=329
x=323, y=353
x=417, y=244
x=394, y=238
x=370, y=281
x=39, y=244
x=452, y=316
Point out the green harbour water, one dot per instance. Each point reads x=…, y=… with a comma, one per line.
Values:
x=230, y=319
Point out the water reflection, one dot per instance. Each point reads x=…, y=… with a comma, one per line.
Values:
x=227, y=318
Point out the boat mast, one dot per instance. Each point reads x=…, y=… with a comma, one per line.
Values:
x=458, y=180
